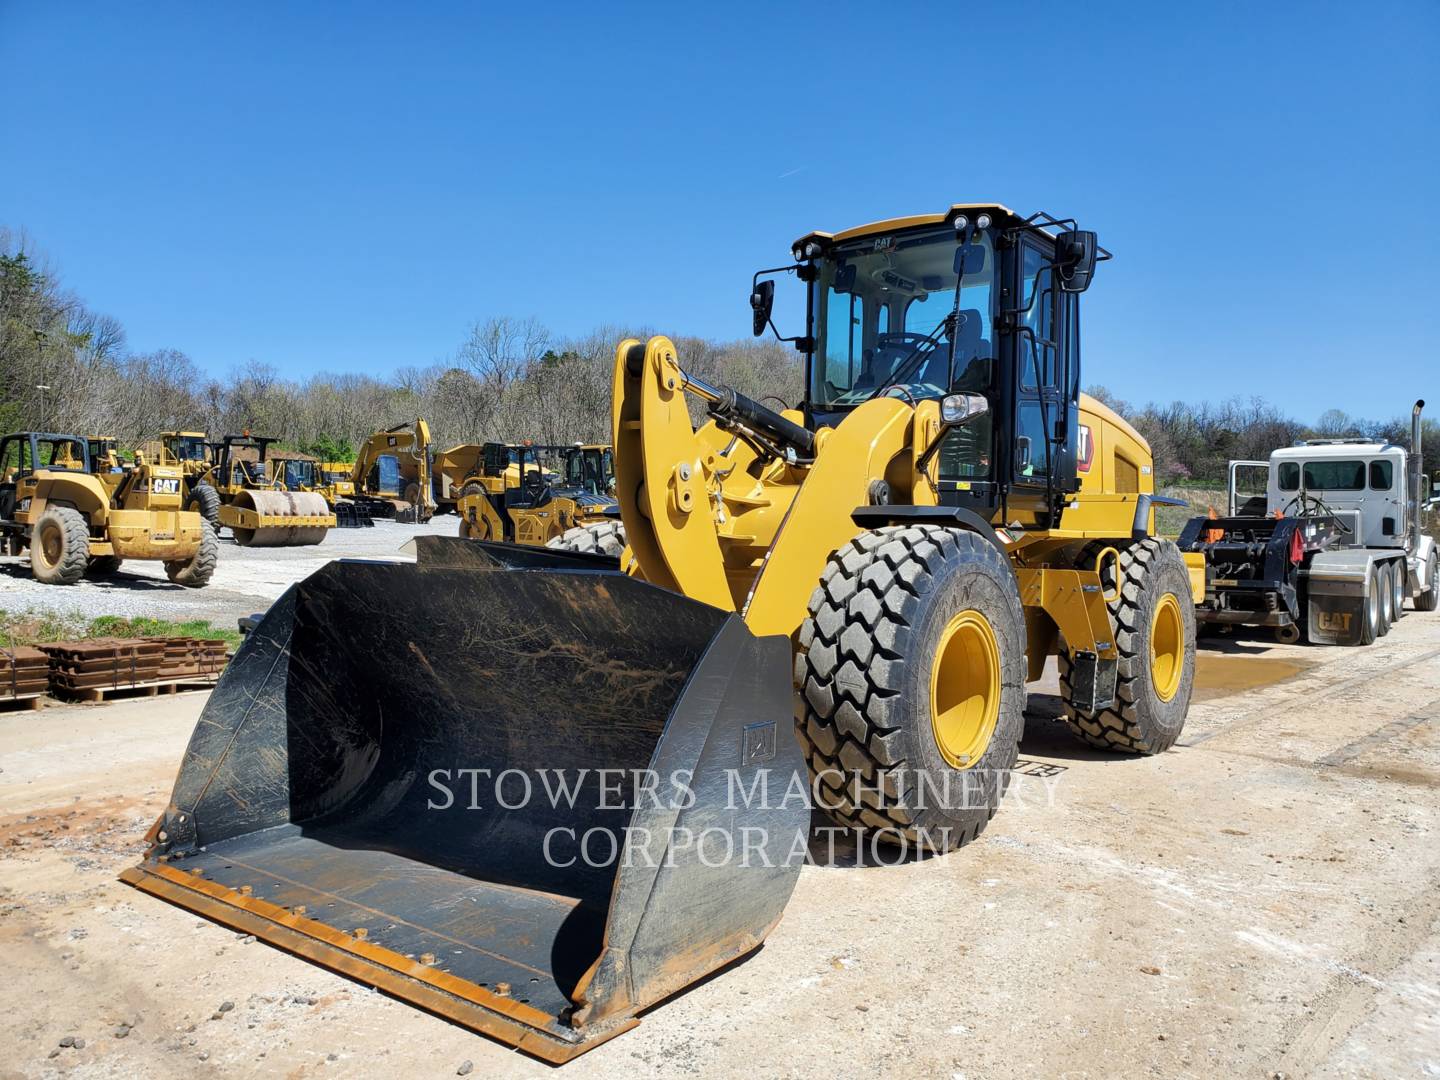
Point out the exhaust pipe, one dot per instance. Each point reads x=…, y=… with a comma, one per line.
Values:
x=1417, y=469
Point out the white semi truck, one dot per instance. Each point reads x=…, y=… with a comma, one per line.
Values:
x=1333, y=548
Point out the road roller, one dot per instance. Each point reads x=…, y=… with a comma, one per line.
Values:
x=254, y=505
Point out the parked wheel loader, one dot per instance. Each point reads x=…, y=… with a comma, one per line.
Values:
x=392, y=474
x=840, y=602
x=537, y=495
x=80, y=519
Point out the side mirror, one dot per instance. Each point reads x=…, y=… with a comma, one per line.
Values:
x=762, y=301
x=1075, y=254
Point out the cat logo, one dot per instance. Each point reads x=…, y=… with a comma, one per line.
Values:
x=1335, y=620
x=884, y=243
x=1084, y=449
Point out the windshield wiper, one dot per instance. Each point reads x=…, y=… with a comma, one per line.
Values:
x=950, y=321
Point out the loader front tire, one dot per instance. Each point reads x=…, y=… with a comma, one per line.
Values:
x=1153, y=614
x=205, y=501
x=196, y=571
x=597, y=538
x=910, y=675
x=60, y=546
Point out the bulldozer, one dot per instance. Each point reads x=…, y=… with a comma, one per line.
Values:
x=842, y=600
x=392, y=474
x=234, y=488
x=543, y=495
x=79, y=518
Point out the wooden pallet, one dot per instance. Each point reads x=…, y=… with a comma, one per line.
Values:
x=95, y=694
x=23, y=703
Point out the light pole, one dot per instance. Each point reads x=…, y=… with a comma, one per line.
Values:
x=42, y=388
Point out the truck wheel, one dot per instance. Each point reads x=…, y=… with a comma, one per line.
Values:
x=103, y=566
x=205, y=501
x=910, y=675
x=1387, y=598
x=1154, y=620
x=1370, y=617
x=1397, y=589
x=60, y=546
x=196, y=571
x=597, y=538
x=1429, y=600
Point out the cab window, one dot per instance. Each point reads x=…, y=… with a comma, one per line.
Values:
x=1334, y=476
x=1382, y=475
x=1289, y=476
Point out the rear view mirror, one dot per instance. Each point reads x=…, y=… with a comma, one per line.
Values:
x=1075, y=254
x=762, y=301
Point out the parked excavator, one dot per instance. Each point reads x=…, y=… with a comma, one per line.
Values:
x=392, y=474
x=840, y=602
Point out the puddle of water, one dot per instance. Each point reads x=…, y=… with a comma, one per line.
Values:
x=1222, y=676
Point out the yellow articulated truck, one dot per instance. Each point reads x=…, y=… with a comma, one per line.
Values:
x=83, y=517
x=836, y=605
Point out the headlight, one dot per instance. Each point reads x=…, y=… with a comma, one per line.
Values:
x=797, y=253
x=958, y=408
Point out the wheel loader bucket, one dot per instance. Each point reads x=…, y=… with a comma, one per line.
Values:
x=277, y=518
x=513, y=787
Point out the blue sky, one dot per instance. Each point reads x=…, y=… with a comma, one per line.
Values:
x=328, y=186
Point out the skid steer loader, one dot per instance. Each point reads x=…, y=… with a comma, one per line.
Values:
x=80, y=519
x=844, y=600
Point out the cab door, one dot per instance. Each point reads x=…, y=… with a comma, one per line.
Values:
x=1045, y=371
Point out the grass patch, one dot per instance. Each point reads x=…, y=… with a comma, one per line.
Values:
x=41, y=627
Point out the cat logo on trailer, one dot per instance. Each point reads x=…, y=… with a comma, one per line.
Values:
x=1335, y=621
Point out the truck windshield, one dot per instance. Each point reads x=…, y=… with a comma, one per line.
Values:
x=881, y=309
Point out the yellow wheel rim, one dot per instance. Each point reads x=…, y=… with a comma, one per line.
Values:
x=965, y=689
x=52, y=542
x=1167, y=647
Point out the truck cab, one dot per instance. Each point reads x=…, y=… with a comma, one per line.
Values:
x=1359, y=481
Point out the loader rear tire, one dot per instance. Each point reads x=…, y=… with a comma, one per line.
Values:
x=196, y=571
x=205, y=501
x=103, y=566
x=1152, y=607
x=1429, y=600
x=597, y=538
x=899, y=744
x=60, y=546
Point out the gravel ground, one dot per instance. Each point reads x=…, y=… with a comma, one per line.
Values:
x=246, y=580
x=1261, y=901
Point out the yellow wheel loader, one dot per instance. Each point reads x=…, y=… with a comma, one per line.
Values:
x=539, y=790
x=392, y=474
x=79, y=519
x=543, y=495
x=255, y=505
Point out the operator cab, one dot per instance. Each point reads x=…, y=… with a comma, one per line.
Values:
x=977, y=308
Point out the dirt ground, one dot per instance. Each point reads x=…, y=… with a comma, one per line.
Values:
x=1261, y=901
